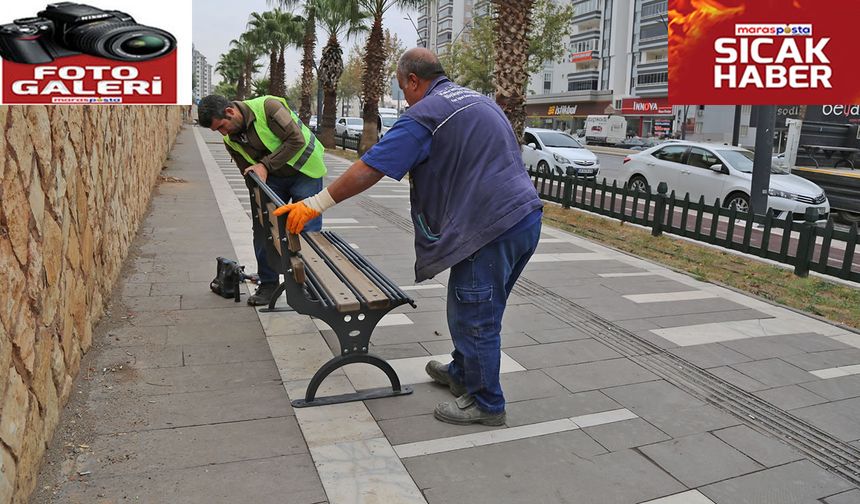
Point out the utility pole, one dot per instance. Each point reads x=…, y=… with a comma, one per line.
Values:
x=736, y=129
x=763, y=154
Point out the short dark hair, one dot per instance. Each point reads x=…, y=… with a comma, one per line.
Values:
x=210, y=108
x=424, y=64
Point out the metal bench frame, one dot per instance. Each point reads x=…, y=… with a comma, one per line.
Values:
x=306, y=294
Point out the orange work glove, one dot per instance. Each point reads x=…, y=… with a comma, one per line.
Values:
x=299, y=215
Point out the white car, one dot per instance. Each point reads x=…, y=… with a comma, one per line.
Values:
x=385, y=123
x=349, y=126
x=550, y=151
x=719, y=171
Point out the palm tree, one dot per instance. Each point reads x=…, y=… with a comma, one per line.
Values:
x=373, y=81
x=309, y=41
x=337, y=17
x=513, y=23
x=275, y=31
x=230, y=67
x=247, y=52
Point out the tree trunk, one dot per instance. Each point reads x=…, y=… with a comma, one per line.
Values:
x=308, y=67
x=273, y=71
x=511, y=58
x=240, y=87
x=282, y=86
x=374, y=63
x=326, y=135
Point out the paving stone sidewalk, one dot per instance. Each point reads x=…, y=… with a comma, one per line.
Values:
x=595, y=413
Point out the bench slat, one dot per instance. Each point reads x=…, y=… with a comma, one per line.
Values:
x=343, y=298
x=258, y=195
x=374, y=296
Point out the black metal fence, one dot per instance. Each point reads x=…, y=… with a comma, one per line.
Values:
x=800, y=243
x=347, y=142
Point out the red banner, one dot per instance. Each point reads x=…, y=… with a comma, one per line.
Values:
x=87, y=79
x=581, y=56
x=762, y=52
x=646, y=106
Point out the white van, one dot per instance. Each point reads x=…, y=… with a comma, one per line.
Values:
x=606, y=130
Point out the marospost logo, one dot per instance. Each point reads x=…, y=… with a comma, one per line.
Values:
x=778, y=30
x=772, y=56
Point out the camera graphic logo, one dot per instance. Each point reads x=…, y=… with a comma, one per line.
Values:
x=68, y=29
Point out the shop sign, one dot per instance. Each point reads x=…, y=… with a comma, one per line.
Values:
x=646, y=106
x=558, y=110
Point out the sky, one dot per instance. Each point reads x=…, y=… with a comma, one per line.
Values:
x=216, y=22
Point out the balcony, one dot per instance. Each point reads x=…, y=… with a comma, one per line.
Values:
x=652, y=66
x=652, y=84
x=653, y=34
x=585, y=34
x=590, y=9
x=658, y=11
x=583, y=56
x=653, y=90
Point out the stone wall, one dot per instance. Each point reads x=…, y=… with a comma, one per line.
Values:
x=75, y=182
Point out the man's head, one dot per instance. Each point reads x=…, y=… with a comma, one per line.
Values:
x=216, y=113
x=417, y=68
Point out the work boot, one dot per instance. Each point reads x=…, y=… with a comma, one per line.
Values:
x=464, y=410
x=439, y=373
x=263, y=295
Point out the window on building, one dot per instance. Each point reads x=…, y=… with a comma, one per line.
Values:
x=653, y=31
x=585, y=85
x=584, y=45
x=652, y=78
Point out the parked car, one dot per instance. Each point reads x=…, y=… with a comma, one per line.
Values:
x=550, y=151
x=720, y=171
x=349, y=126
x=385, y=123
x=312, y=124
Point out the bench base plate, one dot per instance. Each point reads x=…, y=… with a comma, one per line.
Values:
x=361, y=395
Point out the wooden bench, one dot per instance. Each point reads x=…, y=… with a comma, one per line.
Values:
x=324, y=277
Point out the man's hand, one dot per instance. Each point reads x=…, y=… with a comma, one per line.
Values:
x=299, y=215
x=259, y=169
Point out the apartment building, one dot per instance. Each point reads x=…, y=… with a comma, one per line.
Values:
x=202, y=75
x=616, y=63
x=441, y=22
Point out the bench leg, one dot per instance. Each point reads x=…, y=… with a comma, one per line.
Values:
x=361, y=395
x=271, y=308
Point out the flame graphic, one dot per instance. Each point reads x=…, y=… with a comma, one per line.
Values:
x=689, y=20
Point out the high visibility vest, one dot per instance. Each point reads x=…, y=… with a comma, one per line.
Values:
x=308, y=160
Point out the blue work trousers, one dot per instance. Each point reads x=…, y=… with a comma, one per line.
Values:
x=478, y=290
